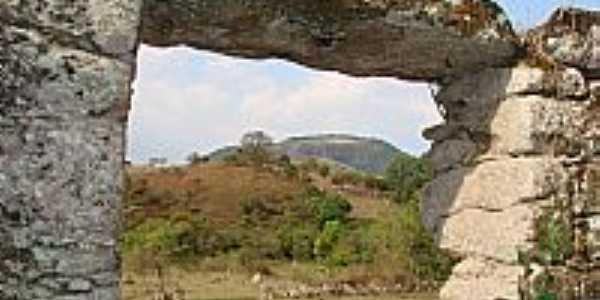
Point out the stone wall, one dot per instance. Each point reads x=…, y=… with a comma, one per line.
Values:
x=501, y=158
x=65, y=70
x=516, y=185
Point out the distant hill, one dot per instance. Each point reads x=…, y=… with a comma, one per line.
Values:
x=362, y=153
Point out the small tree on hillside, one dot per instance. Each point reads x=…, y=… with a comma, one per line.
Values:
x=254, y=149
x=254, y=139
x=405, y=175
x=196, y=158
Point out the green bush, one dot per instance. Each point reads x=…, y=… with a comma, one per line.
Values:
x=181, y=237
x=546, y=296
x=544, y=285
x=254, y=156
x=310, y=165
x=554, y=239
x=291, y=171
x=156, y=235
x=329, y=207
x=258, y=211
x=297, y=241
x=405, y=175
x=324, y=170
x=327, y=239
x=355, y=246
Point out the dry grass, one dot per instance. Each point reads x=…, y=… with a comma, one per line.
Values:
x=216, y=190
x=201, y=285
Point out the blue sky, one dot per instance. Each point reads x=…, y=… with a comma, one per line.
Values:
x=187, y=100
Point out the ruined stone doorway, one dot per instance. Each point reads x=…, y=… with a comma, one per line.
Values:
x=67, y=67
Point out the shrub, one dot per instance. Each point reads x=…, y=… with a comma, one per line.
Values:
x=324, y=170
x=290, y=171
x=355, y=246
x=405, y=175
x=346, y=177
x=195, y=158
x=330, y=207
x=256, y=211
x=554, y=238
x=543, y=287
x=254, y=156
x=375, y=183
x=310, y=165
x=546, y=296
x=426, y=260
x=180, y=238
x=297, y=241
x=327, y=239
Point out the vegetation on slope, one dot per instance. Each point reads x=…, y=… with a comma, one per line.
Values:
x=258, y=211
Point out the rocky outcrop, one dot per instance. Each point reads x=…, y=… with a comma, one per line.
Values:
x=394, y=38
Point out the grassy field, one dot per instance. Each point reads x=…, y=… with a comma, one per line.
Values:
x=191, y=231
x=218, y=286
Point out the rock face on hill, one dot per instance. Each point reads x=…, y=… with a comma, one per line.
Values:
x=364, y=154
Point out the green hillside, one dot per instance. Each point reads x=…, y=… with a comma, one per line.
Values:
x=365, y=154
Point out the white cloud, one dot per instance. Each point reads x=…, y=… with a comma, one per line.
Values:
x=193, y=101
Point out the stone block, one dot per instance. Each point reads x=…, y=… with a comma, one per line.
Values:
x=108, y=26
x=451, y=153
x=536, y=125
x=481, y=279
x=492, y=186
x=61, y=83
x=497, y=235
x=61, y=187
x=593, y=238
x=592, y=195
x=473, y=99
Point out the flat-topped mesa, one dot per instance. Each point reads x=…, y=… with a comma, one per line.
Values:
x=408, y=39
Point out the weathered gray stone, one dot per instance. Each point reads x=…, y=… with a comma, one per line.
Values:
x=452, y=153
x=105, y=27
x=64, y=91
x=571, y=84
x=595, y=89
x=472, y=100
x=480, y=279
x=572, y=37
x=490, y=186
x=365, y=38
x=534, y=124
x=497, y=235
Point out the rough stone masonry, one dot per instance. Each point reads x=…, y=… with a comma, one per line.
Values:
x=519, y=141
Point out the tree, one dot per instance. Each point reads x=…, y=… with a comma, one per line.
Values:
x=254, y=139
x=196, y=158
x=406, y=174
